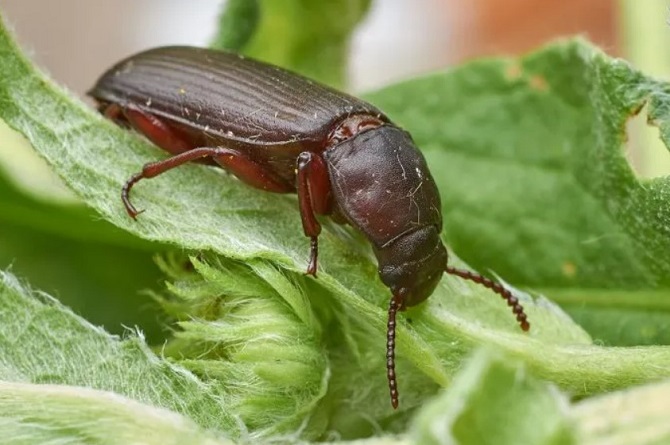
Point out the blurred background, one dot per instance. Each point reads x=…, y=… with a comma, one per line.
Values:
x=76, y=40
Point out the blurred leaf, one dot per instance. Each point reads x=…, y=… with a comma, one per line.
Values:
x=634, y=416
x=495, y=401
x=28, y=172
x=237, y=24
x=102, y=282
x=640, y=34
x=43, y=342
x=529, y=157
x=60, y=414
x=314, y=35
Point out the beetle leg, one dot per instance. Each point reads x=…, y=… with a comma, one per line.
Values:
x=156, y=130
x=245, y=169
x=114, y=113
x=314, y=198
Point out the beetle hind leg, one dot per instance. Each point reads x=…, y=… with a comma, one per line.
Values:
x=153, y=169
x=241, y=166
x=314, y=198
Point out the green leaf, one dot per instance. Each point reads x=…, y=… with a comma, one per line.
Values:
x=637, y=415
x=237, y=24
x=32, y=199
x=66, y=249
x=528, y=155
x=493, y=400
x=72, y=415
x=314, y=35
x=43, y=342
x=31, y=175
x=250, y=329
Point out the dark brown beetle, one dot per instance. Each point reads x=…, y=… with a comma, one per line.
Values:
x=283, y=133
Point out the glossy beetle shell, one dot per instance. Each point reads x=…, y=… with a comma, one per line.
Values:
x=228, y=96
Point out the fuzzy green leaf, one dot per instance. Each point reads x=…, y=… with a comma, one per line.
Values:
x=528, y=154
x=43, y=342
x=66, y=249
x=73, y=415
x=314, y=35
x=493, y=400
x=637, y=415
x=33, y=198
x=250, y=329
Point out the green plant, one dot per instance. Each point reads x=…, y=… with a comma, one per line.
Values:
x=528, y=157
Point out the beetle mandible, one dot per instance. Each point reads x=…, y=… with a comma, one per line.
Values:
x=280, y=132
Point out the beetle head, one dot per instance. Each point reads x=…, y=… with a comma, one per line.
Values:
x=413, y=264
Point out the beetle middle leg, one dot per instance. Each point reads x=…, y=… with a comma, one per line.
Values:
x=313, y=184
x=244, y=168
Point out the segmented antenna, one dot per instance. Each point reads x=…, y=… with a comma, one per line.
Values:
x=496, y=287
x=390, y=351
x=394, y=306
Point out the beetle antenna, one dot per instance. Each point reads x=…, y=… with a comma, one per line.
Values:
x=496, y=287
x=390, y=351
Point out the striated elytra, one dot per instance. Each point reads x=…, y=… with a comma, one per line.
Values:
x=280, y=132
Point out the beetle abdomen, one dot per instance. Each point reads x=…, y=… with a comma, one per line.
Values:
x=227, y=95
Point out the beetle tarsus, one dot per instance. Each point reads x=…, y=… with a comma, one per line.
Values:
x=313, y=256
x=125, y=196
x=134, y=213
x=512, y=301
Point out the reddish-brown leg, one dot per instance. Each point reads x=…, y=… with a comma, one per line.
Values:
x=114, y=113
x=313, y=184
x=156, y=130
x=237, y=163
x=512, y=301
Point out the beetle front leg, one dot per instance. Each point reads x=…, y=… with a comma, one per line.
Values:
x=314, y=198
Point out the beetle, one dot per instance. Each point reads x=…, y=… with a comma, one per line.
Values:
x=281, y=132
